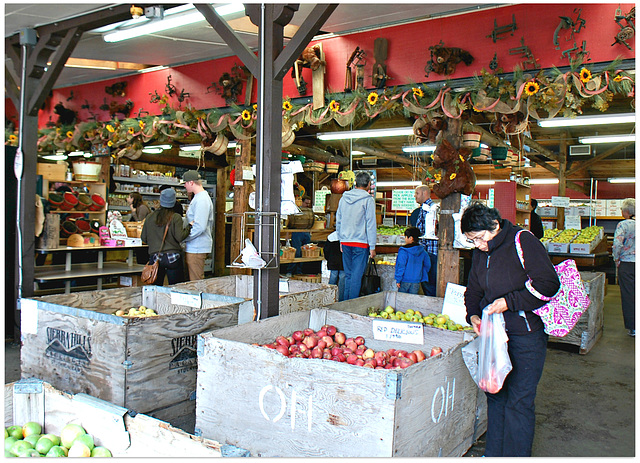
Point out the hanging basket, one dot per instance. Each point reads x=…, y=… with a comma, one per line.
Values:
x=471, y=139
x=287, y=135
x=498, y=153
x=333, y=167
x=219, y=145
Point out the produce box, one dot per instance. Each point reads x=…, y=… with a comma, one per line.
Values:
x=585, y=211
x=614, y=208
x=547, y=211
x=591, y=324
x=301, y=295
x=76, y=343
x=558, y=248
x=592, y=235
x=123, y=433
x=300, y=407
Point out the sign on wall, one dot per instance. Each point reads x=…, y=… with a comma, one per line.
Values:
x=403, y=200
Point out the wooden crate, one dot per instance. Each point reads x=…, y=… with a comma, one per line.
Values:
x=590, y=325
x=54, y=172
x=300, y=296
x=111, y=426
x=74, y=342
x=256, y=399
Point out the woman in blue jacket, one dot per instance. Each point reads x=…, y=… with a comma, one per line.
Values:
x=412, y=263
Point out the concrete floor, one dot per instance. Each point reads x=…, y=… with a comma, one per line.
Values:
x=585, y=405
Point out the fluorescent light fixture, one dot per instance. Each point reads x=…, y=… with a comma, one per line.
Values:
x=399, y=183
x=76, y=153
x=87, y=155
x=622, y=180
x=232, y=144
x=151, y=150
x=153, y=68
x=419, y=149
x=373, y=133
x=607, y=139
x=55, y=157
x=543, y=181
x=485, y=182
x=588, y=120
x=357, y=153
x=169, y=22
x=190, y=147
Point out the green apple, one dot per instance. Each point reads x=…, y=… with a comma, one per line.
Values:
x=100, y=452
x=389, y=309
x=8, y=443
x=33, y=438
x=384, y=315
x=15, y=431
x=20, y=446
x=409, y=311
x=6, y=433
x=57, y=451
x=43, y=445
x=78, y=449
x=53, y=438
x=8, y=454
x=69, y=433
x=86, y=439
x=28, y=453
x=31, y=428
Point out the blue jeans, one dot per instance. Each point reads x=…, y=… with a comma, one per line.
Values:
x=173, y=270
x=354, y=261
x=337, y=277
x=411, y=288
x=511, y=412
x=429, y=287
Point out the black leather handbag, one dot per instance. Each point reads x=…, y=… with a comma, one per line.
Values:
x=370, y=279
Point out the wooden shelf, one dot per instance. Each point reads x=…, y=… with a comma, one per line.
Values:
x=57, y=272
x=89, y=248
x=146, y=181
x=586, y=217
x=301, y=259
x=74, y=211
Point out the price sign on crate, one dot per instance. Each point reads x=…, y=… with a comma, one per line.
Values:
x=403, y=200
x=409, y=333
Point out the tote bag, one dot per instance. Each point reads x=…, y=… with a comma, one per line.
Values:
x=562, y=311
x=370, y=280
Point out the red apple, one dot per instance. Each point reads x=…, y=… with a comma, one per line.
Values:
x=396, y=361
x=368, y=354
x=381, y=357
x=435, y=351
x=391, y=352
x=359, y=340
x=340, y=338
x=322, y=344
x=413, y=357
x=335, y=358
x=331, y=330
x=308, y=332
x=368, y=365
x=342, y=357
x=388, y=366
x=347, y=351
x=348, y=340
x=270, y=346
x=336, y=350
x=420, y=355
x=351, y=359
x=402, y=353
x=379, y=368
x=321, y=333
x=360, y=362
x=351, y=344
x=303, y=348
x=360, y=351
x=294, y=348
x=290, y=340
x=283, y=341
x=328, y=340
x=311, y=341
x=284, y=350
x=316, y=353
x=297, y=336
x=327, y=355
x=405, y=362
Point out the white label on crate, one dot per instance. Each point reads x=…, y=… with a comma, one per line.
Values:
x=190, y=300
x=443, y=399
x=409, y=333
x=453, y=304
x=387, y=222
x=560, y=201
x=29, y=316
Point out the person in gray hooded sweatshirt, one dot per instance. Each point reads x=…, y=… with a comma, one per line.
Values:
x=356, y=228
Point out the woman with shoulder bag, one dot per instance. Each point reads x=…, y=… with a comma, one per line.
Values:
x=497, y=280
x=163, y=231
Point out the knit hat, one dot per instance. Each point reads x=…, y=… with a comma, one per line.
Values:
x=191, y=176
x=168, y=198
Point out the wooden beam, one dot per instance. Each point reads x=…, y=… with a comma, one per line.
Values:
x=240, y=203
x=222, y=186
x=317, y=154
x=11, y=86
x=556, y=172
x=600, y=157
x=179, y=161
x=540, y=149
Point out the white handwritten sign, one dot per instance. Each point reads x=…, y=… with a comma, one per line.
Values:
x=190, y=300
x=403, y=200
x=560, y=201
x=409, y=333
x=453, y=304
x=320, y=200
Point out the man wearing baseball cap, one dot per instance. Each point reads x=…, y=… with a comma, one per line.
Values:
x=200, y=217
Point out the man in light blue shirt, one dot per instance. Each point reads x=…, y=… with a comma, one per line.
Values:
x=200, y=217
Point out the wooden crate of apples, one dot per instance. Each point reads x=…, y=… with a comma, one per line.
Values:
x=285, y=386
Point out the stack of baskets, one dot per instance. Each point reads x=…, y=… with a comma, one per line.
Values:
x=314, y=166
x=311, y=250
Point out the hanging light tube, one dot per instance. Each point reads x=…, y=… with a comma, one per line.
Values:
x=607, y=139
x=373, y=133
x=588, y=120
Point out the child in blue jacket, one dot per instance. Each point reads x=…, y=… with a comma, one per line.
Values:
x=412, y=263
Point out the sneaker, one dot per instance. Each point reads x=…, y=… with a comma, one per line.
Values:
x=632, y=333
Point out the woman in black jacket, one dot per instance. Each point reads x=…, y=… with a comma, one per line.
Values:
x=497, y=282
x=153, y=230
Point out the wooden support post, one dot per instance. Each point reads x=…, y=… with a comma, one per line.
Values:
x=222, y=186
x=562, y=177
x=240, y=202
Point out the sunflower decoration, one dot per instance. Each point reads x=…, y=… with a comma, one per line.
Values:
x=417, y=92
x=372, y=99
x=255, y=106
x=11, y=139
x=531, y=88
x=246, y=115
x=585, y=75
x=334, y=106
x=287, y=106
x=437, y=177
x=452, y=176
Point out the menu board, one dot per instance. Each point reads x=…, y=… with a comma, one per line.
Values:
x=320, y=200
x=403, y=200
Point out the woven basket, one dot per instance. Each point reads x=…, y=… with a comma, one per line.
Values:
x=314, y=166
x=308, y=278
x=333, y=167
x=134, y=229
x=313, y=252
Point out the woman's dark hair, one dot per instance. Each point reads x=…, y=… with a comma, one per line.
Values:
x=164, y=216
x=478, y=217
x=412, y=232
x=137, y=199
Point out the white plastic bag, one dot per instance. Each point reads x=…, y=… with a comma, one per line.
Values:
x=494, y=363
x=250, y=256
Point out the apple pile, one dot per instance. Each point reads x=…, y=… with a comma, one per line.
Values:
x=140, y=312
x=441, y=321
x=28, y=441
x=330, y=344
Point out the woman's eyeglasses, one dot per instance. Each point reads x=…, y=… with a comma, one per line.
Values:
x=477, y=239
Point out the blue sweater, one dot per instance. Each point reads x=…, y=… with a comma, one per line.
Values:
x=412, y=264
x=200, y=212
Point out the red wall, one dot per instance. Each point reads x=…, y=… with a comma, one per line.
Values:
x=408, y=54
x=606, y=190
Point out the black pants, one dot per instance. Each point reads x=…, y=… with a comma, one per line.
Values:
x=429, y=287
x=174, y=271
x=511, y=412
x=627, y=282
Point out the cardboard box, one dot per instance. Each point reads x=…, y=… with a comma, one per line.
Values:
x=313, y=407
x=613, y=208
x=547, y=211
x=125, y=435
x=52, y=171
x=600, y=207
x=76, y=343
x=558, y=248
x=585, y=211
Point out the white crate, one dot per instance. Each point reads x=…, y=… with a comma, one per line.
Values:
x=558, y=248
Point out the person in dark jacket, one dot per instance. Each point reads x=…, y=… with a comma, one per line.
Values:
x=412, y=263
x=536, y=222
x=170, y=258
x=333, y=255
x=497, y=284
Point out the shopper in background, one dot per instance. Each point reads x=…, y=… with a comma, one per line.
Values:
x=412, y=264
x=139, y=209
x=170, y=258
x=200, y=216
x=535, y=224
x=178, y=209
x=356, y=228
x=624, y=255
x=333, y=255
x=497, y=283
x=423, y=198
x=299, y=239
